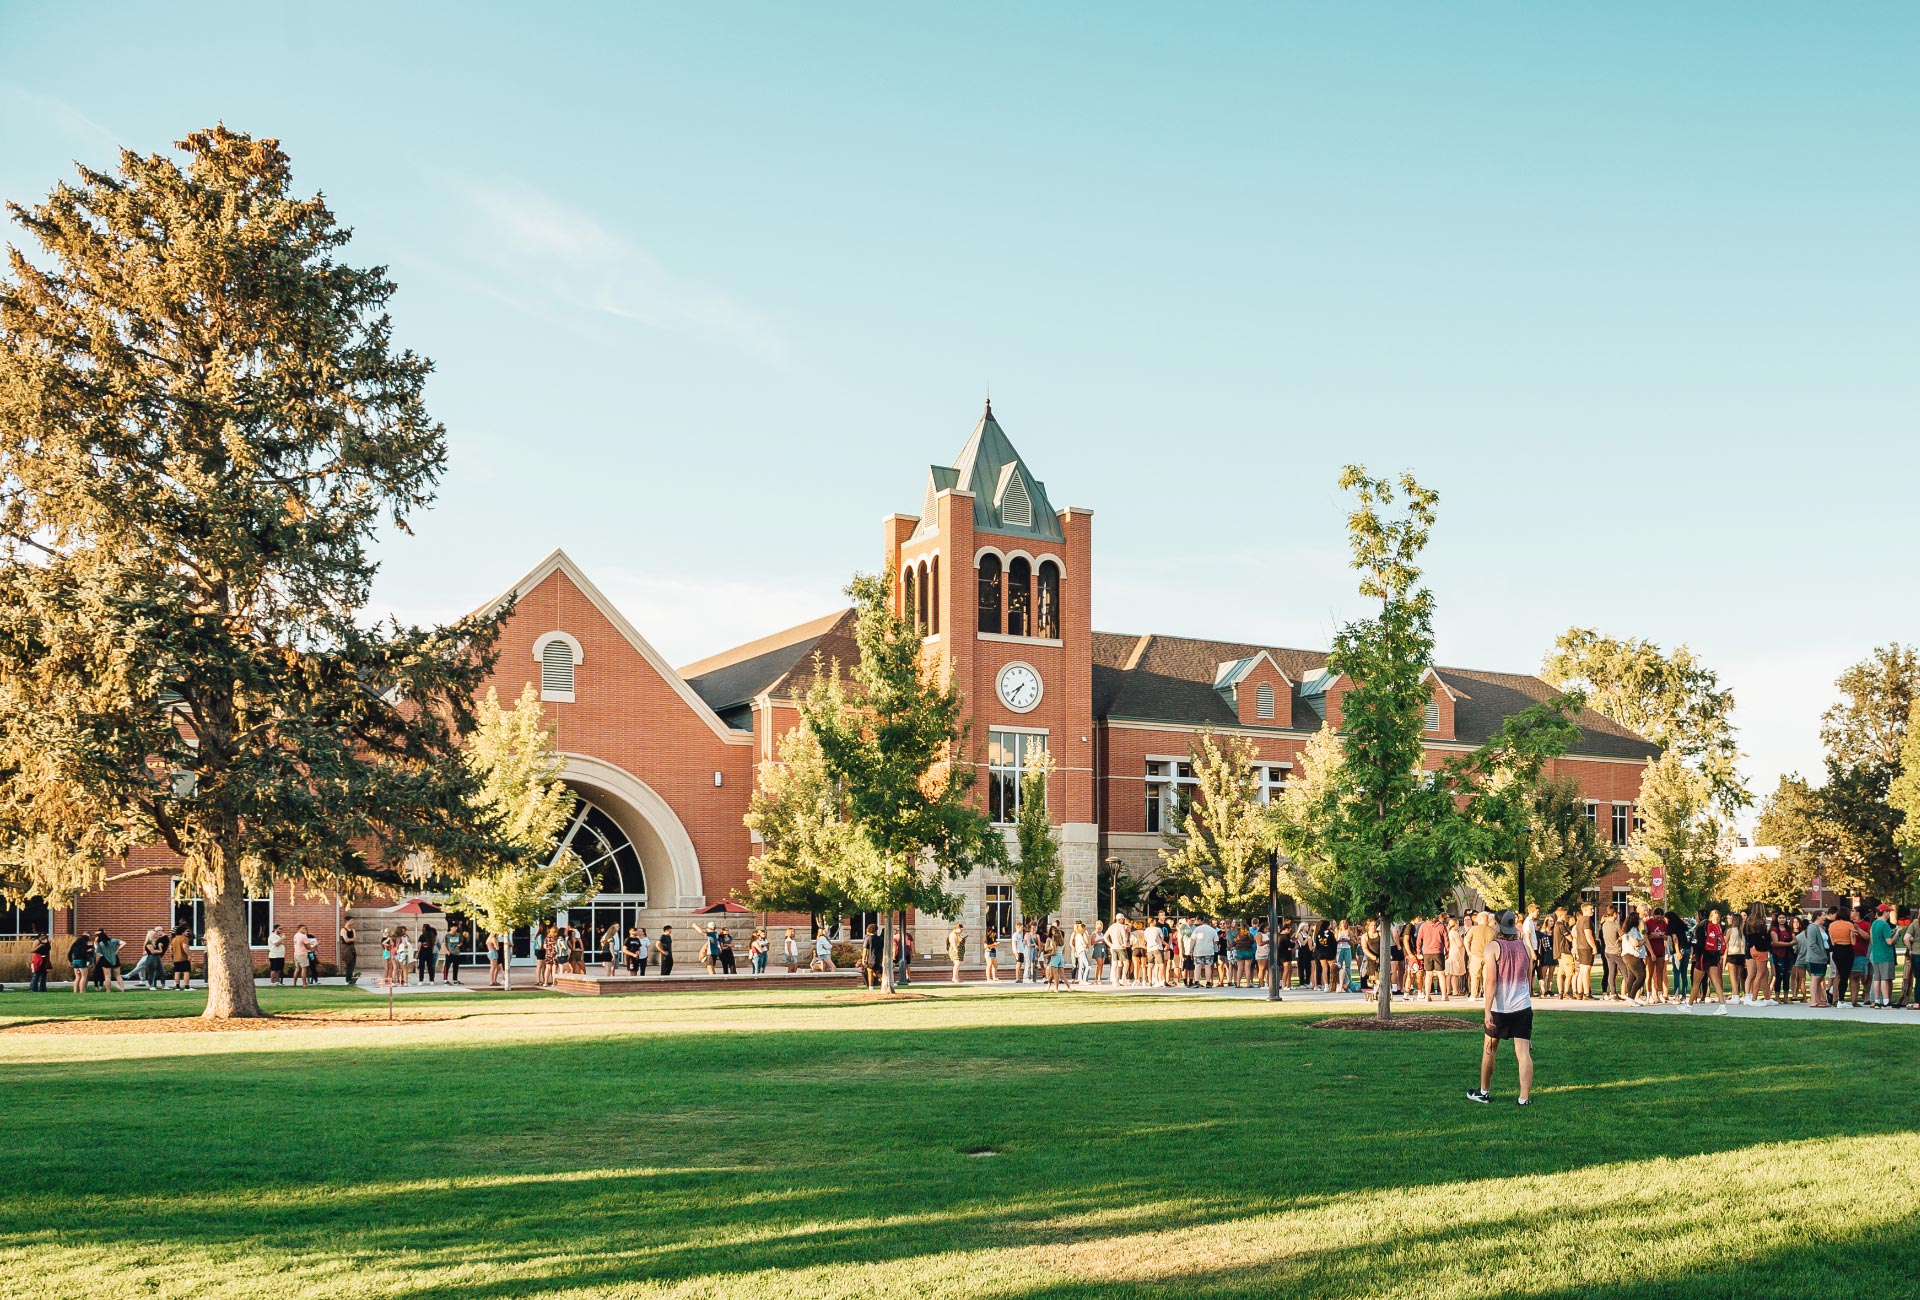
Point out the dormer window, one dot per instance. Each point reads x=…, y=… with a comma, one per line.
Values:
x=558, y=655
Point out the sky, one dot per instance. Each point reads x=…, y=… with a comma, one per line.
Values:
x=1635, y=288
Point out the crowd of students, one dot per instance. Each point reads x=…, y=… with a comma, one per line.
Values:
x=1759, y=957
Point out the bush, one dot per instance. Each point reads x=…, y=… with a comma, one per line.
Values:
x=846, y=955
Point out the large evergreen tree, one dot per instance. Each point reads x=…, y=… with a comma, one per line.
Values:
x=203, y=420
x=897, y=746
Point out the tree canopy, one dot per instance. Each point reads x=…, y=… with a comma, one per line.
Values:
x=1039, y=877
x=203, y=420
x=1673, y=699
x=891, y=745
x=1221, y=837
x=811, y=854
x=1678, y=843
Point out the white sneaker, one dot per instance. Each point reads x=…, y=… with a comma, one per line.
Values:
x=1720, y=1010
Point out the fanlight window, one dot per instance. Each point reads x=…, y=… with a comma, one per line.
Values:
x=609, y=862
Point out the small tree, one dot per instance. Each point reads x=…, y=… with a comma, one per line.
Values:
x=1791, y=821
x=892, y=750
x=203, y=424
x=1218, y=845
x=1308, y=804
x=517, y=772
x=1559, y=850
x=809, y=850
x=1039, y=879
x=1679, y=838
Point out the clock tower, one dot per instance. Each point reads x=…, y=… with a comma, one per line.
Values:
x=999, y=583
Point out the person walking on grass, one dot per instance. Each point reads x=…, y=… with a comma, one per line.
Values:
x=1506, y=977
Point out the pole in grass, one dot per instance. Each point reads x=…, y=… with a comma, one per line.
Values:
x=1273, y=925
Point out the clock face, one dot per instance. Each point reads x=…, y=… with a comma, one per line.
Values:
x=1019, y=687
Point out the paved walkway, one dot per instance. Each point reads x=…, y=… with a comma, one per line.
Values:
x=1355, y=1001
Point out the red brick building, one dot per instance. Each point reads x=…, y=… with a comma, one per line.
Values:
x=999, y=581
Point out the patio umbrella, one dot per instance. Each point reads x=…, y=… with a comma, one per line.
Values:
x=726, y=905
x=415, y=907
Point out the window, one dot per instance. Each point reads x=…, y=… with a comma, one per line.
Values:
x=1593, y=813
x=925, y=608
x=933, y=596
x=1169, y=784
x=558, y=654
x=909, y=610
x=24, y=920
x=1639, y=824
x=1272, y=777
x=1263, y=700
x=1007, y=754
x=861, y=924
x=190, y=910
x=1019, y=596
x=1432, y=719
x=1622, y=821
x=1046, y=601
x=1000, y=910
x=990, y=593
x=1620, y=905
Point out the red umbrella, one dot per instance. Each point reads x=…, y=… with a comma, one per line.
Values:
x=726, y=905
x=416, y=907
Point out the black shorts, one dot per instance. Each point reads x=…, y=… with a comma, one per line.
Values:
x=1511, y=1024
x=276, y=964
x=182, y=967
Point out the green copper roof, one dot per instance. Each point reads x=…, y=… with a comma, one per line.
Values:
x=1007, y=498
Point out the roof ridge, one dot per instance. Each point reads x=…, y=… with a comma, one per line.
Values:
x=814, y=627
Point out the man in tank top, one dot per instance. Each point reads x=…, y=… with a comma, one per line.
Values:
x=1509, y=1008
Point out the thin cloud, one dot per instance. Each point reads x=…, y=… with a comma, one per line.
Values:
x=582, y=262
x=65, y=120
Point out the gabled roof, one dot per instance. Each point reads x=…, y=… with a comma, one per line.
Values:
x=1007, y=498
x=560, y=562
x=778, y=665
x=1159, y=678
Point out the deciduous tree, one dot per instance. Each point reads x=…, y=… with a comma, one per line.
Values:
x=1039, y=878
x=810, y=851
x=891, y=746
x=1673, y=699
x=1218, y=846
x=1678, y=842
x=203, y=419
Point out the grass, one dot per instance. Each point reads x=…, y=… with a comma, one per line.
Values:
x=780, y=1144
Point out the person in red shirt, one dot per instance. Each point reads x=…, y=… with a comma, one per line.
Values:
x=1710, y=950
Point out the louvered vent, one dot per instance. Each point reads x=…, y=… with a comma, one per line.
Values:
x=1016, y=507
x=1433, y=715
x=556, y=668
x=1263, y=700
x=926, y=509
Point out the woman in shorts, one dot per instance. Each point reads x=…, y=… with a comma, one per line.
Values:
x=80, y=957
x=106, y=960
x=1709, y=939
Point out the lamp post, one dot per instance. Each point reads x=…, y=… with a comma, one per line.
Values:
x=1113, y=890
x=1273, y=925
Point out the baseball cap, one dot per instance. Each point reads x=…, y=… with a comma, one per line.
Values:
x=1504, y=919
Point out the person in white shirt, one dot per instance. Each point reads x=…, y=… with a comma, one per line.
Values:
x=1117, y=937
x=1206, y=942
x=1156, y=968
x=822, y=954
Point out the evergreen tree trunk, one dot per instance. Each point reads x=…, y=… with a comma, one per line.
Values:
x=1383, y=992
x=230, y=989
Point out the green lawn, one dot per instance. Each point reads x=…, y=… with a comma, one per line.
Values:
x=771, y=1145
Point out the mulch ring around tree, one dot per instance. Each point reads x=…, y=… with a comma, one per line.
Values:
x=195, y=1025
x=1413, y=1023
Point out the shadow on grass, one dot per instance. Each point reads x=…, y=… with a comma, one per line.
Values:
x=683, y=1155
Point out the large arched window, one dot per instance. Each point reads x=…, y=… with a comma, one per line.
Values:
x=1019, y=596
x=1046, y=601
x=989, y=593
x=933, y=596
x=925, y=608
x=908, y=610
x=611, y=878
